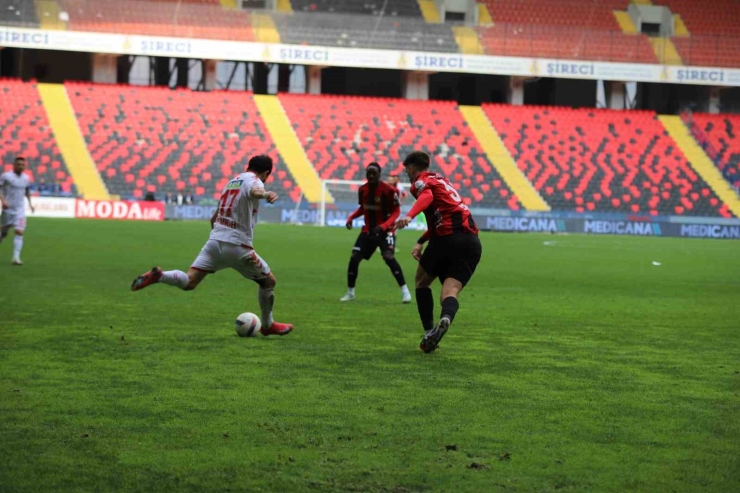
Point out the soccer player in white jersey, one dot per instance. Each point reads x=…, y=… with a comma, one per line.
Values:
x=230, y=244
x=400, y=188
x=13, y=189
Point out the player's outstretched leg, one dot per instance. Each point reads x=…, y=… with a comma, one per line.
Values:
x=450, y=290
x=266, y=297
x=352, y=272
x=397, y=272
x=177, y=278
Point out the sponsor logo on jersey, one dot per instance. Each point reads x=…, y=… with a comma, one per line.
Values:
x=377, y=199
x=234, y=185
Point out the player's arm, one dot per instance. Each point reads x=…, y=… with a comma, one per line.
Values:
x=259, y=193
x=423, y=201
x=213, y=217
x=419, y=247
x=28, y=197
x=359, y=212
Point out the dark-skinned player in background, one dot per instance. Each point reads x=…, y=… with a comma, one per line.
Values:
x=380, y=205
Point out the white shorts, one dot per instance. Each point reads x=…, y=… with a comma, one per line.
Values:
x=13, y=219
x=218, y=255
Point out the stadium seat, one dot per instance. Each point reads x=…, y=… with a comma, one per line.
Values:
x=156, y=139
x=397, y=8
x=25, y=131
x=357, y=31
x=569, y=29
x=603, y=161
x=722, y=133
x=189, y=19
x=19, y=13
x=715, y=32
x=342, y=134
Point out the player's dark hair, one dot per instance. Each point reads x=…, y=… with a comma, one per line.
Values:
x=417, y=159
x=19, y=158
x=260, y=164
x=376, y=165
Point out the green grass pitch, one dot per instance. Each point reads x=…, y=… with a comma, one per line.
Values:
x=574, y=364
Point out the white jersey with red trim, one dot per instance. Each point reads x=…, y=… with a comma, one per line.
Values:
x=13, y=189
x=237, y=211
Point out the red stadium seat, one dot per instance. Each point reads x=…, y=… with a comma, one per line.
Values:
x=188, y=19
x=25, y=131
x=722, y=134
x=156, y=139
x=613, y=161
x=565, y=29
x=342, y=134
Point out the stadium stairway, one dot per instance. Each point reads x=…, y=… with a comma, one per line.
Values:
x=484, y=15
x=48, y=12
x=284, y=6
x=625, y=22
x=468, y=41
x=701, y=163
x=501, y=159
x=289, y=147
x=228, y=4
x=71, y=144
x=429, y=11
x=264, y=28
x=665, y=51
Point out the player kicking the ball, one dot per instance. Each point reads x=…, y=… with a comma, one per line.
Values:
x=379, y=204
x=454, y=249
x=230, y=243
x=13, y=188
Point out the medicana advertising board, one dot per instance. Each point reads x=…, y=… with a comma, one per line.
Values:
x=362, y=58
x=543, y=223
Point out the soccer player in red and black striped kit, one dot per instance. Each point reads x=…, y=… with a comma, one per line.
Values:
x=454, y=249
x=380, y=206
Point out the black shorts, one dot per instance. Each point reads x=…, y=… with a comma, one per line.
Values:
x=455, y=256
x=367, y=243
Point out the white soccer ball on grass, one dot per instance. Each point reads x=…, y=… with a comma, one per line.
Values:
x=247, y=325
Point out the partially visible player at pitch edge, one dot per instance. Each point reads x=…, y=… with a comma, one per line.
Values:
x=454, y=248
x=380, y=206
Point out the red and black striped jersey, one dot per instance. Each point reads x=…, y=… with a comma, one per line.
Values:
x=446, y=214
x=378, y=203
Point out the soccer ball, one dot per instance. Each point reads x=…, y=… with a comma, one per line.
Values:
x=247, y=325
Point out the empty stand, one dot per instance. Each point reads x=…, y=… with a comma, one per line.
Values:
x=715, y=32
x=355, y=31
x=25, y=131
x=20, y=13
x=342, y=134
x=159, y=140
x=407, y=8
x=570, y=29
x=715, y=17
x=571, y=43
x=594, y=14
x=190, y=19
x=709, y=50
x=723, y=135
x=603, y=161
